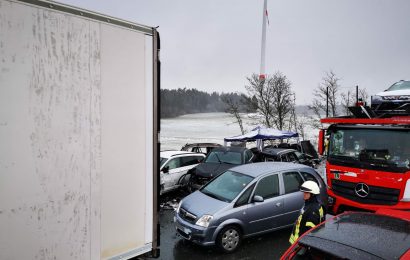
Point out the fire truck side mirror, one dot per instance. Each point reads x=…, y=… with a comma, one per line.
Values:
x=321, y=143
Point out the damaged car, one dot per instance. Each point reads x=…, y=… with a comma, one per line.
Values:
x=217, y=161
x=174, y=166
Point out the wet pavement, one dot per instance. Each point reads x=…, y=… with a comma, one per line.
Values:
x=268, y=246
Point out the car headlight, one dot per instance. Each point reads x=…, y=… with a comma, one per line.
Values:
x=204, y=220
x=406, y=195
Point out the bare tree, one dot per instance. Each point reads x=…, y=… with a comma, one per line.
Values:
x=233, y=108
x=301, y=124
x=327, y=90
x=347, y=101
x=272, y=98
x=363, y=95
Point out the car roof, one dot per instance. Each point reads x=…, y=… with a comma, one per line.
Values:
x=168, y=154
x=277, y=151
x=204, y=145
x=261, y=168
x=360, y=235
x=235, y=149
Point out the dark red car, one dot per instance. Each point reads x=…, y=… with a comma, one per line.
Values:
x=356, y=235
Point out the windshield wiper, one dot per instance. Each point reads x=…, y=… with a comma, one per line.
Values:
x=229, y=163
x=378, y=162
x=215, y=196
x=343, y=158
x=211, y=194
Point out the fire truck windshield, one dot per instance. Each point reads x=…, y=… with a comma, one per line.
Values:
x=370, y=148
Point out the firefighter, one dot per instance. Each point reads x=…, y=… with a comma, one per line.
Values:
x=312, y=212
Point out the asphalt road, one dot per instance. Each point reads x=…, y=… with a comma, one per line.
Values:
x=268, y=246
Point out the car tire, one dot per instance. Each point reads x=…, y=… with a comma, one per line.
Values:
x=191, y=184
x=229, y=239
x=184, y=180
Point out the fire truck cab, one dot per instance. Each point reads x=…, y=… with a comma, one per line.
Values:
x=368, y=161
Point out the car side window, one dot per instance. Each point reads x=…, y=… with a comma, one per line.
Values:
x=268, y=187
x=248, y=155
x=190, y=160
x=284, y=158
x=292, y=157
x=292, y=181
x=174, y=163
x=309, y=177
x=244, y=198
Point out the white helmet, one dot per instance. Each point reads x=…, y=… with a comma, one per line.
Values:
x=311, y=187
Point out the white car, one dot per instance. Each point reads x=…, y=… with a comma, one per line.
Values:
x=174, y=167
x=396, y=97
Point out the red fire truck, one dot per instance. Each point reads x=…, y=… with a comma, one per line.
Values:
x=368, y=161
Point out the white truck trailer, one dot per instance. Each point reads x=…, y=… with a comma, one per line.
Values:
x=78, y=134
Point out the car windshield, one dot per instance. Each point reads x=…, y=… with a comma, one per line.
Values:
x=369, y=148
x=162, y=160
x=224, y=157
x=227, y=186
x=400, y=85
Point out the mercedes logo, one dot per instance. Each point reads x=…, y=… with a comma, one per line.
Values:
x=362, y=190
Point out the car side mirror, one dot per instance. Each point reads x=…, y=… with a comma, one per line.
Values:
x=165, y=169
x=257, y=198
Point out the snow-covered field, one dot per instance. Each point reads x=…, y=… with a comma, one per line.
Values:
x=208, y=127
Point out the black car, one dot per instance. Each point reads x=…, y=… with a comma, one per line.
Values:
x=286, y=155
x=216, y=162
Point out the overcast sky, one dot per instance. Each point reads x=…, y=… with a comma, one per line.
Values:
x=213, y=45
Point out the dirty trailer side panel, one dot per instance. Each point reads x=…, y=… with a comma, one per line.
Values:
x=76, y=136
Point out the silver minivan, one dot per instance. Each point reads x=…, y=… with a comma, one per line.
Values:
x=243, y=201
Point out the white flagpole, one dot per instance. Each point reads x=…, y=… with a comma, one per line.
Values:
x=263, y=47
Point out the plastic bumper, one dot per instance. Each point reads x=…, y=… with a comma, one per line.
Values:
x=196, y=234
x=337, y=203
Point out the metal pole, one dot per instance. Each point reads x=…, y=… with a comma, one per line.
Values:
x=357, y=94
x=263, y=46
x=327, y=101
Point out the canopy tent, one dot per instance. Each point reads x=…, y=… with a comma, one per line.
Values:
x=260, y=134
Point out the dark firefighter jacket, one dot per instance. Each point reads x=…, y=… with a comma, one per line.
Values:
x=311, y=215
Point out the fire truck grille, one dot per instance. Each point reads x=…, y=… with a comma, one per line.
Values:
x=375, y=195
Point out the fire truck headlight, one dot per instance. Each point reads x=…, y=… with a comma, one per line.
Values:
x=406, y=195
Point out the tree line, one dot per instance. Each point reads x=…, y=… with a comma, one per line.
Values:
x=177, y=102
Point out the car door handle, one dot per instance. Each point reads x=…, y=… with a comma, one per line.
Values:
x=278, y=204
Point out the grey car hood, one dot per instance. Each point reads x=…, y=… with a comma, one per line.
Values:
x=199, y=204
